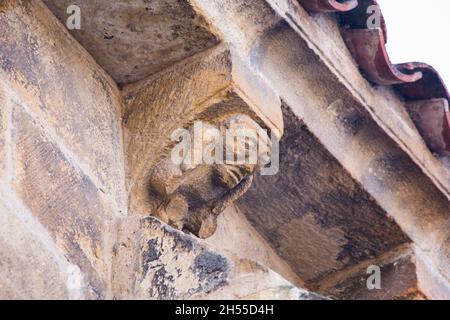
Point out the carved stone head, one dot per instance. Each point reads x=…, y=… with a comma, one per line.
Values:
x=210, y=167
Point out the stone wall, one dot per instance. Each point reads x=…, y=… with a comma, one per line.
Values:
x=62, y=159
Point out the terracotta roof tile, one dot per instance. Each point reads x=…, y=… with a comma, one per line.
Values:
x=416, y=82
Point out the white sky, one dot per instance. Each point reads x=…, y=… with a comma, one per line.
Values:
x=418, y=30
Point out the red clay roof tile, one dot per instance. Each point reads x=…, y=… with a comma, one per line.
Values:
x=414, y=81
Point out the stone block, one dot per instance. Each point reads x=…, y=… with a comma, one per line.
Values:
x=52, y=76
x=62, y=198
x=146, y=36
x=154, y=261
x=398, y=281
x=30, y=268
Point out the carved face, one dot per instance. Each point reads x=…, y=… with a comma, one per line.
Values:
x=191, y=193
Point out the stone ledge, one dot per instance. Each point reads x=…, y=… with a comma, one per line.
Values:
x=155, y=261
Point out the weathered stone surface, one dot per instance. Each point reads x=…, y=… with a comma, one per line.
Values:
x=52, y=76
x=206, y=88
x=236, y=236
x=30, y=268
x=249, y=280
x=155, y=261
x=63, y=198
x=4, y=132
x=430, y=281
x=324, y=220
x=143, y=37
x=397, y=275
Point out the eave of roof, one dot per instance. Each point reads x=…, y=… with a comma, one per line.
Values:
x=414, y=81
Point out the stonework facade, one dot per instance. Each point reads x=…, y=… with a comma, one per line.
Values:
x=93, y=206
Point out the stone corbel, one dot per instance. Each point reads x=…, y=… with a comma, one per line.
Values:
x=193, y=106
